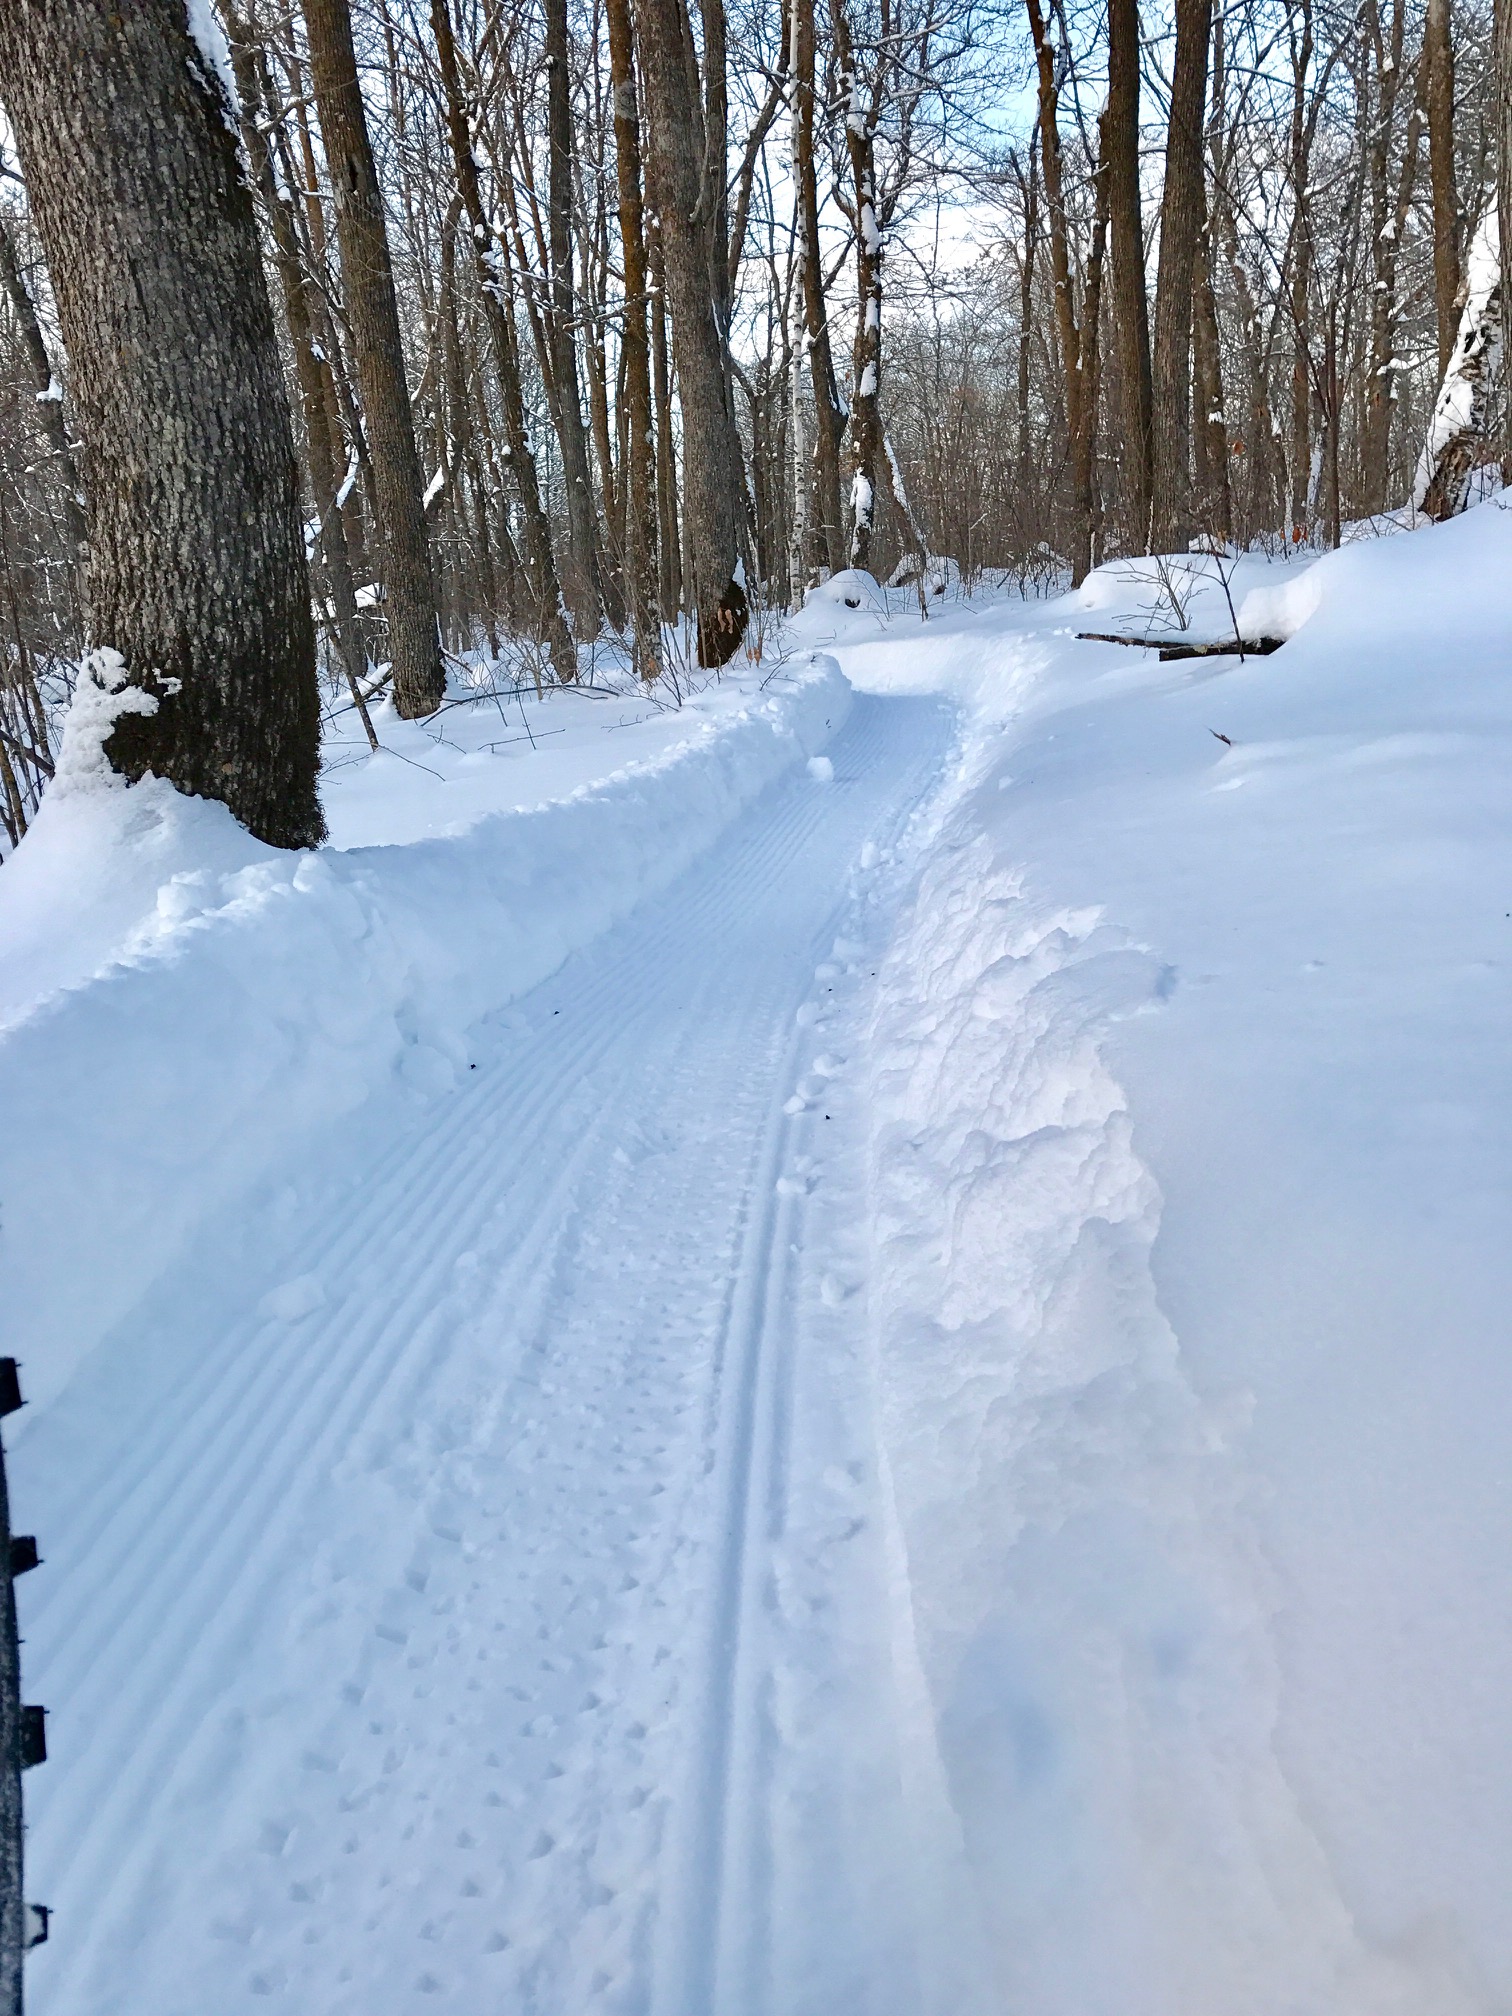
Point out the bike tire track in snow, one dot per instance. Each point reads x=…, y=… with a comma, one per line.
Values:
x=265, y=1607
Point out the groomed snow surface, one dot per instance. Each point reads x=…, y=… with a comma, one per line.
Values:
x=839, y=1353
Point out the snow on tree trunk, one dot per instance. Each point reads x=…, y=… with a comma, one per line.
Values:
x=1460, y=432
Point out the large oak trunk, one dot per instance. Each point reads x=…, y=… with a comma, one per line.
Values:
x=196, y=572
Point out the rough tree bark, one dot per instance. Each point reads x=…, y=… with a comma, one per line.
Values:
x=635, y=346
x=1438, y=98
x=1215, y=504
x=1119, y=147
x=196, y=571
x=373, y=314
x=687, y=202
x=1182, y=211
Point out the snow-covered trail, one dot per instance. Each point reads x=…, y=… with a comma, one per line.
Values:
x=453, y=1598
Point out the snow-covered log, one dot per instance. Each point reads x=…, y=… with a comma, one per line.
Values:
x=1459, y=433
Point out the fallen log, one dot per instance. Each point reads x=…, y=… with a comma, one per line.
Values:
x=1171, y=647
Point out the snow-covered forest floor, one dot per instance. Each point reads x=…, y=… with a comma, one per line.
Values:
x=839, y=1351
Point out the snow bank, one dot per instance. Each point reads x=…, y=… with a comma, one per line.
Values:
x=1193, y=1163
x=182, y=1006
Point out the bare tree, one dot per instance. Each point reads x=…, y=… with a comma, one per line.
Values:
x=1131, y=315
x=1438, y=95
x=635, y=346
x=378, y=348
x=1182, y=210
x=584, y=595
x=825, y=540
x=687, y=179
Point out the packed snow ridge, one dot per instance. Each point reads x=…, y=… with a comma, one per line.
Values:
x=839, y=1350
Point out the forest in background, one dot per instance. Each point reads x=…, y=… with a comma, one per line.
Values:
x=631, y=318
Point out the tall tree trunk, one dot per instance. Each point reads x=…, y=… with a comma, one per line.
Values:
x=688, y=202
x=336, y=390
x=320, y=452
x=580, y=576
x=826, y=540
x=373, y=314
x=1078, y=360
x=1301, y=283
x=1388, y=221
x=540, y=562
x=196, y=572
x=1182, y=210
x=1131, y=315
x=640, y=473
x=866, y=356
x=1215, y=496
x=1438, y=98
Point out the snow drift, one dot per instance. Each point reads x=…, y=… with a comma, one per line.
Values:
x=1191, y=1096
